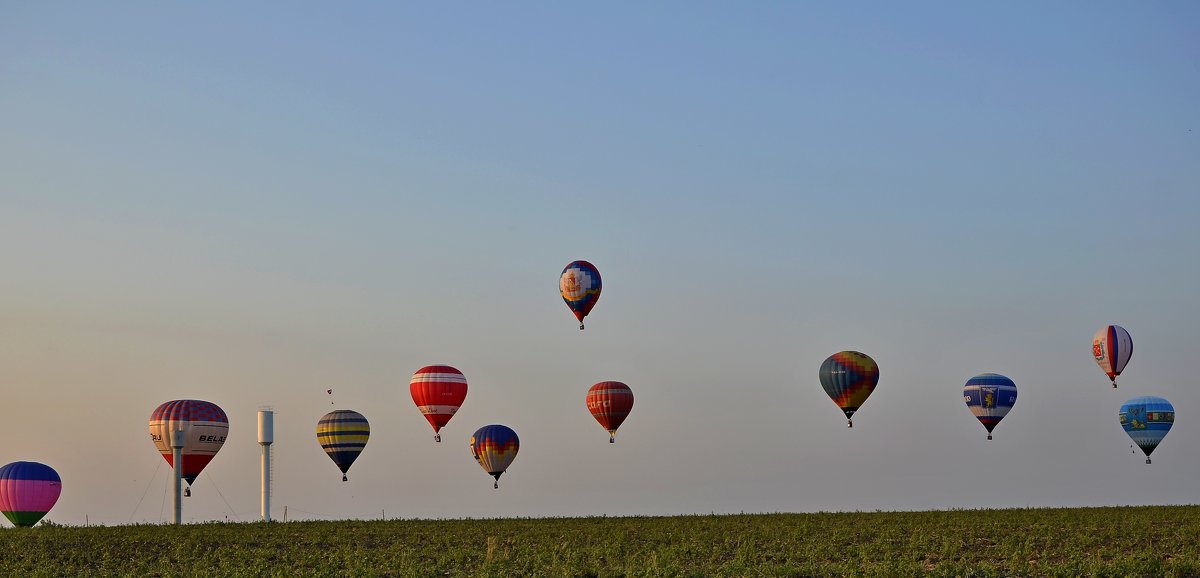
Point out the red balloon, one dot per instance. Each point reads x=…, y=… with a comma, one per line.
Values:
x=438, y=391
x=610, y=403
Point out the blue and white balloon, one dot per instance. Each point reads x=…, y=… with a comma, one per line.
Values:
x=1147, y=420
x=989, y=396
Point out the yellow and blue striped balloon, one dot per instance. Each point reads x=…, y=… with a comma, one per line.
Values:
x=343, y=435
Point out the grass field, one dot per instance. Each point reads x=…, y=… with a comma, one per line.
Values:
x=1127, y=541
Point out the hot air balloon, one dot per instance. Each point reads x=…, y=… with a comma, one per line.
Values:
x=610, y=403
x=205, y=427
x=27, y=492
x=494, y=447
x=1112, y=347
x=579, y=286
x=438, y=391
x=849, y=377
x=989, y=396
x=1147, y=420
x=343, y=435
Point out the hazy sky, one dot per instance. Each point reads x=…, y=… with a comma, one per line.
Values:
x=250, y=204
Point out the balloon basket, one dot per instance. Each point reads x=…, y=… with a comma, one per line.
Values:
x=1147, y=460
x=849, y=424
x=187, y=492
x=344, y=478
x=989, y=436
x=581, y=327
x=437, y=438
x=496, y=485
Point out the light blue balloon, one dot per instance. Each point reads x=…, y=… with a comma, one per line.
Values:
x=1147, y=420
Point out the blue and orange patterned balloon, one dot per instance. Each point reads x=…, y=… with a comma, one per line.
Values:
x=849, y=377
x=27, y=492
x=579, y=286
x=494, y=447
x=1147, y=420
x=343, y=435
x=989, y=396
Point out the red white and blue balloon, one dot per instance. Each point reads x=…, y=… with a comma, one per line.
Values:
x=1112, y=347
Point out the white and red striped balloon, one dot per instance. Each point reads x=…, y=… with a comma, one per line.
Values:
x=438, y=391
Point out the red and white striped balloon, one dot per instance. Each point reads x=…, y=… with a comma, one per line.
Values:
x=205, y=427
x=438, y=391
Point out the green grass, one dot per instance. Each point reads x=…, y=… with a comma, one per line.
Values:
x=1127, y=541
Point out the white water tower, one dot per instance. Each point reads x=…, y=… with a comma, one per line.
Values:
x=266, y=436
x=178, y=441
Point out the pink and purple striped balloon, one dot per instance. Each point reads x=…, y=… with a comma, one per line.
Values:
x=27, y=492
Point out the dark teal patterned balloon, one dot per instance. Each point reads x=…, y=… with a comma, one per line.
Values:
x=849, y=377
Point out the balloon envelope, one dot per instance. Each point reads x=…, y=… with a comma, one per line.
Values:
x=990, y=396
x=343, y=435
x=849, y=377
x=610, y=403
x=494, y=447
x=27, y=492
x=205, y=427
x=1147, y=420
x=438, y=391
x=579, y=284
x=1112, y=347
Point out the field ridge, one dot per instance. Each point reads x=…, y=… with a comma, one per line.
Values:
x=1103, y=541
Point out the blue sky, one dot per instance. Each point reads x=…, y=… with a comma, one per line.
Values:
x=252, y=204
